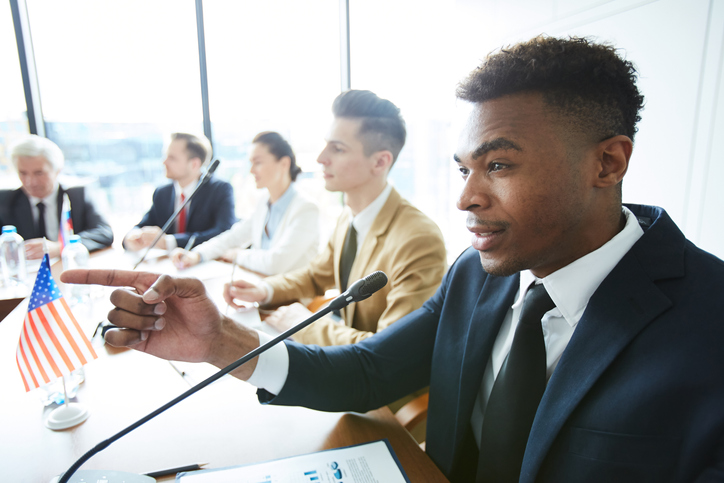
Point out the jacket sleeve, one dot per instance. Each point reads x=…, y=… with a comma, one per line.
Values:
x=419, y=266
x=222, y=205
x=365, y=376
x=94, y=231
x=297, y=243
x=238, y=236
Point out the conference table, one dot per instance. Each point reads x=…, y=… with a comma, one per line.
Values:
x=222, y=425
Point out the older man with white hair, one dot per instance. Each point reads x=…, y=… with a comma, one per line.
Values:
x=35, y=208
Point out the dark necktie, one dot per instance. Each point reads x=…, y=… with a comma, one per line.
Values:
x=41, y=220
x=516, y=393
x=349, y=251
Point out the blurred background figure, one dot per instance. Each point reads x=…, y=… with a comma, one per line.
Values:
x=282, y=233
x=35, y=208
x=209, y=213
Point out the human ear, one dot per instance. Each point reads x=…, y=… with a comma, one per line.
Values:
x=382, y=160
x=613, y=156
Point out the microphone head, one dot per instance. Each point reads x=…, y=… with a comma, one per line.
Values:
x=213, y=167
x=372, y=283
x=360, y=290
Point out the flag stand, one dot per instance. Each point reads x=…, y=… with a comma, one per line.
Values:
x=67, y=415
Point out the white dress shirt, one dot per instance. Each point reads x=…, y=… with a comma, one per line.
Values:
x=51, y=213
x=571, y=288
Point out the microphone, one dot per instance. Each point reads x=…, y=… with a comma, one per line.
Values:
x=165, y=228
x=360, y=290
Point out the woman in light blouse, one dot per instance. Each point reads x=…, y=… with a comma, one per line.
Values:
x=282, y=233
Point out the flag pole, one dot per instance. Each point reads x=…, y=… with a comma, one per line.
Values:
x=65, y=393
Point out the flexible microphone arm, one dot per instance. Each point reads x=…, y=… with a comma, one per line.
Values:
x=165, y=228
x=360, y=290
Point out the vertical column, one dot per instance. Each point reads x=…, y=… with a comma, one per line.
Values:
x=26, y=55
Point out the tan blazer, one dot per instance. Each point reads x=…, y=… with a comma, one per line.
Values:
x=402, y=242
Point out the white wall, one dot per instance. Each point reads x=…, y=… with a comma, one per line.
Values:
x=678, y=47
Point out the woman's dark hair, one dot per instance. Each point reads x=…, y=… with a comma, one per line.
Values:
x=279, y=147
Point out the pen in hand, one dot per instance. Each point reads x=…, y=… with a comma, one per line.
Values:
x=190, y=243
x=173, y=471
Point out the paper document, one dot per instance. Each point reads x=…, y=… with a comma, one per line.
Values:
x=365, y=463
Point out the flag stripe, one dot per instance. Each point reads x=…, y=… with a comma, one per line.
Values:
x=43, y=346
x=43, y=374
x=23, y=372
x=84, y=339
x=36, y=329
x=54, y=339
x=69, y=338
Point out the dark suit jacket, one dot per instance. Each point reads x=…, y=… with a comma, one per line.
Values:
x=638, y=395
x=95, y=232
x=211, y=211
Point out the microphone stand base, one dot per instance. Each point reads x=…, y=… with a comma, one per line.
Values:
x=67, y=416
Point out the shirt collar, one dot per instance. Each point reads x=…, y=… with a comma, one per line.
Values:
x=51, y=198
x=572, y=286
x=365, y=218
x=187, y=190
x=284, y=200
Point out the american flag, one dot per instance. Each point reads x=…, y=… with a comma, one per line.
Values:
x=65, y=230
x=52, y=343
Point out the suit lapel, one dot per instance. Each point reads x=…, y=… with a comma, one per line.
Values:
x=59, y=202
x=494, y=301
x=24, y=220
x=369, y=245
x=625, y=303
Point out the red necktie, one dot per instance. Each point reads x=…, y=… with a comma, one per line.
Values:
x=181, y=225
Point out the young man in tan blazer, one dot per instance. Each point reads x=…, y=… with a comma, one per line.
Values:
x=389, y=233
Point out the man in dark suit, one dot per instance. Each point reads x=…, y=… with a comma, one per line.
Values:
x=210, y=212
x=35, y=208
x=625, y=350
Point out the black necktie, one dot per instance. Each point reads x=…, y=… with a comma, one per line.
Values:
x=516, y=393
x=349, y=251
x=41, y=220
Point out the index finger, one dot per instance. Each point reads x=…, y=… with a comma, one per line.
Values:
x=110, y=278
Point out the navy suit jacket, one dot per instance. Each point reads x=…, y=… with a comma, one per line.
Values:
x=211, y=211
x=638, y=394
x=95, y=232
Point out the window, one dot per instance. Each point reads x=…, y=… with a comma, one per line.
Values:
x=272, y=66
x=13, y=114
x=406, y=55
x=115, y=79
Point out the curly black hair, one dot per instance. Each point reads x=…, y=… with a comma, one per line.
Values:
x=587, y=82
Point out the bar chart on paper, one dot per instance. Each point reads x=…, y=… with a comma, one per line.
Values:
x=369, y=462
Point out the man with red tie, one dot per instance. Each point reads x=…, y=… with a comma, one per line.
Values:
x=209, y=213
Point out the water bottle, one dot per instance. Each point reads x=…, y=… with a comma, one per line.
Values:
x=12, y=259
x=75, y=255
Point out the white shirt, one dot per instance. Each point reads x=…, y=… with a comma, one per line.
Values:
x=272, y=368
x=51, y=213
x=187, y=191
x=570, y=288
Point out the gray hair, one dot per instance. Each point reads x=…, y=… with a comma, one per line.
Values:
x=34, y=145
